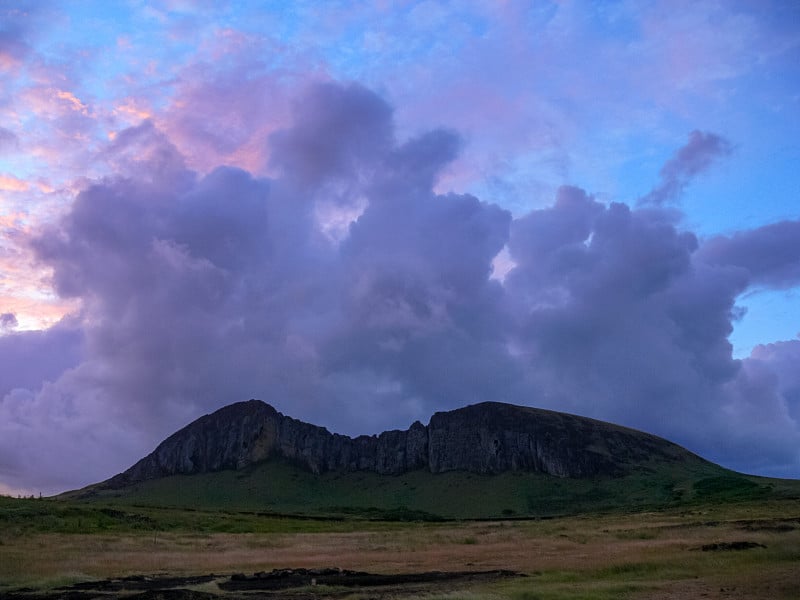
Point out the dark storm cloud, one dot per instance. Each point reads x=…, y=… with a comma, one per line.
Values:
x=699, y=153
x=200, y=291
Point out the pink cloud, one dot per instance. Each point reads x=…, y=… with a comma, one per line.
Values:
x=682, y=59
x=133, y=110
x=35, y=313
x=223, y=116
x=8, y=62
x=9, y=183
x=55, y=110
x=25, y=288
x=72, y=101
x=7, y=490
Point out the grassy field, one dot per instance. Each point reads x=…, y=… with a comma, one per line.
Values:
x=279, y=487
x=646, y=554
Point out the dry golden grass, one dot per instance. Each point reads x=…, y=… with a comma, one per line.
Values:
x=653, y=555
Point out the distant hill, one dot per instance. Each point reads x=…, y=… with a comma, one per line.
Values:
x=490, y=437
x=486, y=460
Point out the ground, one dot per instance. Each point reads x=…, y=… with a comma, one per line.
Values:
x=641, y=555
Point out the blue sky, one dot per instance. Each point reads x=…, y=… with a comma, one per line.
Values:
x=526, y=97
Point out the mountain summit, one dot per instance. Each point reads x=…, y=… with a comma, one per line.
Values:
x=485, y=438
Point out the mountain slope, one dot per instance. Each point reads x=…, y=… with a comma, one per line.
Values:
x=486, y=438
x=488, y=460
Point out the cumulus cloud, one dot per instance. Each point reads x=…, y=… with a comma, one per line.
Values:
x=699, y=153
x=615, y=319
x=782, y=359
x=340, y=131
x=200, y=290
x=32, y=357
x=762, y=404
x=223, y=110
x=770, y=255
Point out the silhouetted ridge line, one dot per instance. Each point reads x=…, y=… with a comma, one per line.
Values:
x=489, y=437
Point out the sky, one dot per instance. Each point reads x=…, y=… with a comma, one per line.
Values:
x=364, y=213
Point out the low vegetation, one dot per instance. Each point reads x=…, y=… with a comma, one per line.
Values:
x=750, y=549
x=702, y=532
x=279, y=487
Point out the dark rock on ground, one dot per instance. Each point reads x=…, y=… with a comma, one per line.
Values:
x=272, y=584
x=294, y=578
x=730, y=546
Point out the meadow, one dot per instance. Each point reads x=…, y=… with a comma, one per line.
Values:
x=421, y=495
x=660, y=554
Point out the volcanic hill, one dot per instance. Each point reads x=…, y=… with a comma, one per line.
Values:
x=487, y=459
x=490, y=437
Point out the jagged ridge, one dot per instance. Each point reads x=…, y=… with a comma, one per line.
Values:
x=490, y=437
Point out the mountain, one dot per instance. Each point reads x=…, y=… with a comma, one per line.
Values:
x=486, y=460
x=490, y=437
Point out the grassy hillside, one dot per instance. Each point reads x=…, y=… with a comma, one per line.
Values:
x=278, y=487
x=21, y=518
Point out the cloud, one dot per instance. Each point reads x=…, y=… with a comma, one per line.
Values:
x=14, y=46
x=32, y=357
x=9, y=183
x=8, y=321
x=145, y=152
x=770, y=255
x=696, y=157
x=621, y=316
x=199, y=290
x=8, y=140
x=609, y=303
x=225, y=106
x=338, y=130
x=763, y=406
x=782, y=359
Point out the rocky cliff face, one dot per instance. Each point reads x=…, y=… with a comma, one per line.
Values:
x=484, y=438
x=493, y=437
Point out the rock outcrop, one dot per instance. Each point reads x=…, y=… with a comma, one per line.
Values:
x=489, y=437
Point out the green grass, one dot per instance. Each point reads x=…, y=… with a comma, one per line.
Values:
x=278, y=487
x=617, y=554
x=49, y=515
x=267, y=497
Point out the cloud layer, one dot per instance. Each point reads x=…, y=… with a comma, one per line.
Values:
x=345, y=291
